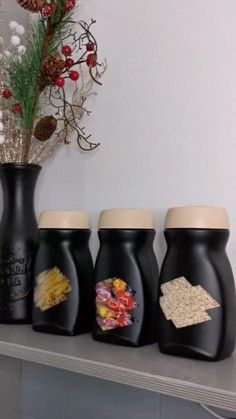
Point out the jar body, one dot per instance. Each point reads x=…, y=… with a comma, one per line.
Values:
x=126, y=275
x=199, y=256
x=64, y=288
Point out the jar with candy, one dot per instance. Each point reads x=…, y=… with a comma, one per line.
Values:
x=126, y=276
x=64, y=287
x=197, y=293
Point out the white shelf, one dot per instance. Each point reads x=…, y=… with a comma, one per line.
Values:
x=202, y=382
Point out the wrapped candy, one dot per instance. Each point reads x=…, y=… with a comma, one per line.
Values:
x=119, y=284
x=115, y=302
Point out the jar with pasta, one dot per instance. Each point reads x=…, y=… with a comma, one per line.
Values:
x=63, y=288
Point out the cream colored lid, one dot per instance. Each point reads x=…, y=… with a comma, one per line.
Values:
x=64, y=220
x=127, y=219
x=197, y=217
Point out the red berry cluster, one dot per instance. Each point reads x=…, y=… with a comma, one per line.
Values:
x=16, y=107
x=91, y=60
x=48, y=9
x=74, y=75
x=90, y=46
x=69, y=62
x=69, y=5
x=67, y=51
x=60, y=81
x=7, y=93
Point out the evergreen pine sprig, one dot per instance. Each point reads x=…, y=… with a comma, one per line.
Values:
x=24, y=73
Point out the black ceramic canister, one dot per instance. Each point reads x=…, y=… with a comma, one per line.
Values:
x=197, y=293
x=64, y=287
x=126, y=275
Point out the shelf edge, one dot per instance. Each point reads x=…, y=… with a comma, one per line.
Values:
x=163, y=385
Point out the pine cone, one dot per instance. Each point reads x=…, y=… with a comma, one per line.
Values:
x=52, y=67
x=45, y=128
x=33, y=6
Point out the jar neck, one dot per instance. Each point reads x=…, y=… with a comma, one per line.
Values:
x=131, y=236
x=57, y=236
x=18, y=185
x=209, y=238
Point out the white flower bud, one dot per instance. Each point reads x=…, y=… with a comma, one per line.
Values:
x=13, y=25
x=2, y=139
x=20, y=30
x=15, y=40
x=7, y=53
x=1, y=115
x=21, y=49
x=1, y=126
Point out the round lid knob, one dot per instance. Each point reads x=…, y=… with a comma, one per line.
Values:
x=197, y=217
x=64, y=220
x=127, y=219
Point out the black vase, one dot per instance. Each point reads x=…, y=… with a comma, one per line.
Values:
x=18, y=241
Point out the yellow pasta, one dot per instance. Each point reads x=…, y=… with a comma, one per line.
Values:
x=52, y=289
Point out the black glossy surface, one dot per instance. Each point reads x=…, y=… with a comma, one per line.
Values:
x=129, y=254
x=69, y=251
x=200, y=256
x=18, y=241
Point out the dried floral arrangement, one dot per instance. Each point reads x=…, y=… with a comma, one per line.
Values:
x=38, y=114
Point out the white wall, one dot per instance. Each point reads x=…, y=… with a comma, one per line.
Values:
x=166, y=115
